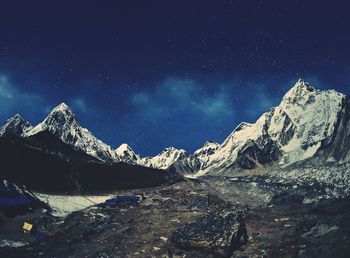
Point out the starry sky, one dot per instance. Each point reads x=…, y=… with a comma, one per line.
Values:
x=165, y=73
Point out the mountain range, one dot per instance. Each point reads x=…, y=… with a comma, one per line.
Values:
x=308, y=125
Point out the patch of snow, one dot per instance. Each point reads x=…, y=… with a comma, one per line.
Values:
x=66, y=204
x=11, y=243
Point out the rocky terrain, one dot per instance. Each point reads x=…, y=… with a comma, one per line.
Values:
x=259, y=218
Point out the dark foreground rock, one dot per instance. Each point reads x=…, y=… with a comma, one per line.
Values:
x=219, y=234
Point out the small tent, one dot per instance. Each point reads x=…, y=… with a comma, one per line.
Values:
x=27, y=227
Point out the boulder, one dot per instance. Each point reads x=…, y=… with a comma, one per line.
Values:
x=219, y=234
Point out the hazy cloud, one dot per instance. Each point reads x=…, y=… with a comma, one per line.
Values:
x=140, y=99
x=79, y=104
x=176, y=95
x=14, y=100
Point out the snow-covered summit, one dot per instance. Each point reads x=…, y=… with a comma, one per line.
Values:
x=60, y=119
x=62, y=123
x=312, y=113
x=164, y=159
x=305, y=121
x=127, y=154
x=173, y=159
x=15, y=126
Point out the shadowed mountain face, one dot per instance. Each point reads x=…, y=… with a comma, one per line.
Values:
x=44, y=163
x=15, y=126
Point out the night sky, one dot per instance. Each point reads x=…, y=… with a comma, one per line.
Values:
x=166, y=73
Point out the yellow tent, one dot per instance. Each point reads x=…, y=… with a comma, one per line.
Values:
x=27, y=227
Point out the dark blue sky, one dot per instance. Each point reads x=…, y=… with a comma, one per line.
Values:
x=166, y=73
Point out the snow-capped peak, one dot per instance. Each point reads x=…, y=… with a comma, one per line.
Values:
x=62, y=123
x=16, y=117
x=60, y=120
x=63, y=107
x=300, y=90
x=61, y=115
x=123, y=148
x=15, y=126
x=206, y=151
x=125, y=151
x=173, y=159
x=164, y=159
x=313, y=115
x=305, y=121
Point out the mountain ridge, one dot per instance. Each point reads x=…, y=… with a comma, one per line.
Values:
x=308, y=123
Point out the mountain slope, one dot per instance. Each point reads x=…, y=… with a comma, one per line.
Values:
x=336, y=147
x=205, y=153
x=15, y=126
x=308, y=123
x=173, y=159
x=62, y=123
x=44, y=163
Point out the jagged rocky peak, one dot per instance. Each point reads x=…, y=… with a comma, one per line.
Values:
x=172, y=153
x=305, y=122
x=15, y=126
x=302, y=85
x=123, y=148
x=307, y=117
x=301, y=92
x=172, y=149
x=61, y=115
x=165, y=159
x=62, y=123
x=206, y=150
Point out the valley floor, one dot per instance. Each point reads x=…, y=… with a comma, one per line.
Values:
x=282, y=219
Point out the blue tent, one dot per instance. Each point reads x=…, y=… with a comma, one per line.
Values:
x=123, y=201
